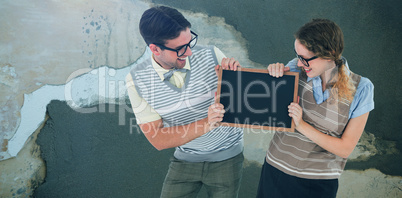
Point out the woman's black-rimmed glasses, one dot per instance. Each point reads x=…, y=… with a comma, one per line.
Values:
x=305, y=61
x=182, y=49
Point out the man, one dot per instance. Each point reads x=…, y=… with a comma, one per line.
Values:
x=172, y=94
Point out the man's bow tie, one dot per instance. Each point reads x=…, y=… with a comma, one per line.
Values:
x=169, y=74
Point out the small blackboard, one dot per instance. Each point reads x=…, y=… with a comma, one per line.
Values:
x=254, y=99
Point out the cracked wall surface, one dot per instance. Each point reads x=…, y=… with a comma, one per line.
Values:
x=80, y=51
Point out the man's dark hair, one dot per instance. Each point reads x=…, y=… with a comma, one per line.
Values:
x=162, y=23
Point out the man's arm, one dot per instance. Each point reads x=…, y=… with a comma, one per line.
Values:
x=168, y=137
x=162, y=137
x=151, y=123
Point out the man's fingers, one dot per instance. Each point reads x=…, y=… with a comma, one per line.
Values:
x=230, y=63
x=224, y=63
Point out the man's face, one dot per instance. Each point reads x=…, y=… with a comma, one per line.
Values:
x=169, y=59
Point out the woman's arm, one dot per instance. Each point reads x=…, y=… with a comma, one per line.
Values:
x=342, y=146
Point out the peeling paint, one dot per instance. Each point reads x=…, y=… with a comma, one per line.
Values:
x=40, y=61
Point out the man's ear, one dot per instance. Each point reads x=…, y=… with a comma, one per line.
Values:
x=155, y=49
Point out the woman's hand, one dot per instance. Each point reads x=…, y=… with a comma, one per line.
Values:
x=277, y=69
x=296, y=112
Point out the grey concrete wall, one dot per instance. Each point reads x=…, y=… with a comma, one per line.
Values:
x=58, y=49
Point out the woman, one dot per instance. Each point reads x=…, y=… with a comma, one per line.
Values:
x=330, y=118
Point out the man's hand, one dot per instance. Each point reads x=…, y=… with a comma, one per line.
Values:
x=215, y=115
x=216, y=111
x=228, y=63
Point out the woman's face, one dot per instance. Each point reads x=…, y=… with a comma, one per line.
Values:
x=317, y=66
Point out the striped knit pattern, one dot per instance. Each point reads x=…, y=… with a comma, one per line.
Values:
x=181, y=106
x=295, y=154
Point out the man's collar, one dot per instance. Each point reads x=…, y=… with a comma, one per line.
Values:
x=160, y=70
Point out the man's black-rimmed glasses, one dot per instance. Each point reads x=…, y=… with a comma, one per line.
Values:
x=305, y=61
x=182, y=49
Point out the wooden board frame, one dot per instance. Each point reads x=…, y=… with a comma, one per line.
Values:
x=251, y=124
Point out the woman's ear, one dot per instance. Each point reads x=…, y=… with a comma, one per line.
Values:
x=155, y=49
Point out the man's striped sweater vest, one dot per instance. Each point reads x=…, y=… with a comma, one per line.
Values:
x=182, y=106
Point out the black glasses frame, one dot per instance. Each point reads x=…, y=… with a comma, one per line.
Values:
x=180, y=48
x=305, y=61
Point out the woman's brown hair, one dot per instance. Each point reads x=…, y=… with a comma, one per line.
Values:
x=325, y=39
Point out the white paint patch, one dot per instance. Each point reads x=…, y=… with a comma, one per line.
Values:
x=80, y=93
